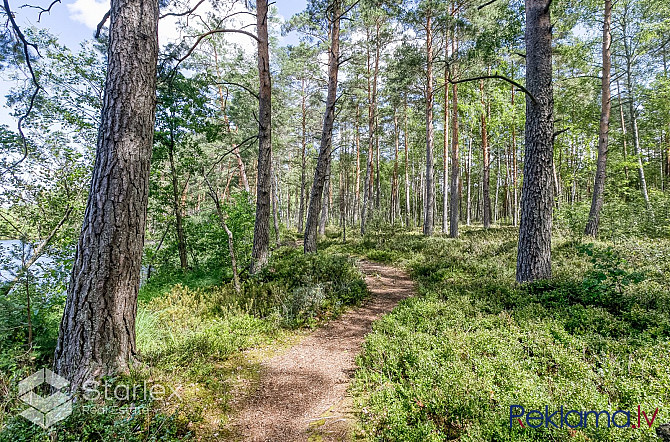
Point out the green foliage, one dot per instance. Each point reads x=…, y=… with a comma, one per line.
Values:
x=448, y=363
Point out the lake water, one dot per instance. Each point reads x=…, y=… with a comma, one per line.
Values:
x=10, y=259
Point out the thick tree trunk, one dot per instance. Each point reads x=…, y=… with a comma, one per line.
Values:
x=323, y=160
x=374, y=103
x=97, y=332
x=261, y=247
x=601, y=163
x=486, y=163
x=303, y=161
x=429, y=201
x=534, y=253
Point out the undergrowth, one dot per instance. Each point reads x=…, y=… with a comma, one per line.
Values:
x=448, y=363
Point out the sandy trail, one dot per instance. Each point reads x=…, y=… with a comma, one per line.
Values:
x=302, y=393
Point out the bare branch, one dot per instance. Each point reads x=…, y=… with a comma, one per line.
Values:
x=42, y=10
x=232, y=83
x=26, y=54
x=499, y=77
x=98, y=29
x=206, y=34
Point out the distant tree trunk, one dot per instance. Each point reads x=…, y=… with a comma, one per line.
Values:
x=486, y=163
x=394, y=181
x=303, y=161
x=408, y=209
x=468, y=185
x=514, y=165
x=429, y=201
x=261, y=247
x=243, y=173
x=97, y=332
x=324, y=209
x=455, y=166
x=176, y=205
x=498, y=184
x=623, y=130
x=275, y=205
x=445, y=147
x=323, y=160
x=601, y=163
x=374, y=99
x=534, y=253
x=628, y=55
x=357, y=196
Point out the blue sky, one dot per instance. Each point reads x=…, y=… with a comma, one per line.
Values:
x=74, y=21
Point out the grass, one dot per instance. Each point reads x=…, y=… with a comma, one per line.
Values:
x=449, y=363
x=198, y=337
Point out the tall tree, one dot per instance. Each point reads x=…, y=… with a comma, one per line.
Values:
x=97, y=332
x=534, y=252
x=429, y=201
x=261, y=247
x=606, y=104
x=323, y=161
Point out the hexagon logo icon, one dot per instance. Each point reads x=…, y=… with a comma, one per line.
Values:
x=45, y=411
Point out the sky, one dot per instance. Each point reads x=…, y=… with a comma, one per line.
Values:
x=74, y=21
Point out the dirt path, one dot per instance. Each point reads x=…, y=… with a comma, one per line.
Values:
x=302, y=393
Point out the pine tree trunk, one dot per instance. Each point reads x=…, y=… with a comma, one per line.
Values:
x=408, y=206
x=97, y=332
x=357, y=196
x=455, y=167
x=261, y=246
x=601, y=163
x=430, y=186
x=468, y=185
x=534, y=253
x=486, y=163
x=275, y=206
x=445, y=147
x=303, y=161
x=323, y=161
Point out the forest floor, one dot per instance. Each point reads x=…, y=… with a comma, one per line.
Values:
x=301, y=393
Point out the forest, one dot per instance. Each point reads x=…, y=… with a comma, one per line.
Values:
x=383, y=220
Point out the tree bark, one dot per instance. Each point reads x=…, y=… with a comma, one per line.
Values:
x=534, y=252
x=261, y=246
x=326, y=134
x=408, y=207
x=486, y=163
x=445, y=147
x=468, y=169
x=429, y=201
x=601, y=162
x=97, y=332
x=303, y=161
x=455, y=190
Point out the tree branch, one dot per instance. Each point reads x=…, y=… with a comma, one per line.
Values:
x=98, y=29
x=255, y=95
x=26, y=54
x=495, y=76
x=42, y=10
x=206, y=34
x=38, y=251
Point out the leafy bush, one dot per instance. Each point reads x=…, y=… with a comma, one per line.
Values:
x=448, y=363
